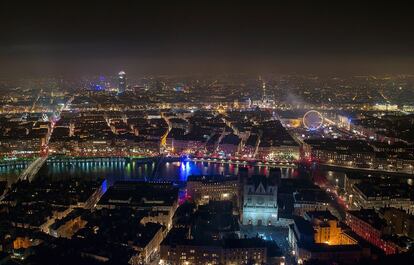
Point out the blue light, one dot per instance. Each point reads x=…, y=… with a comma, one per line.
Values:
x=97, y=87
x=104, y=186
x=187, y=169
x=178, y=89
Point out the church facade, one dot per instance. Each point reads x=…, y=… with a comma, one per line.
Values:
x=260, y=202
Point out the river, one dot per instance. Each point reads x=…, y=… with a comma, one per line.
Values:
x=121, y=169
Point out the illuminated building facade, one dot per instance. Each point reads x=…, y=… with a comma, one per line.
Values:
x=163, y=217
x=230, y=145
x=328, y=229
x=368, y=225
x=310, y=200
x=319, y=237
x=342, y=152
x=375, y=195
x=228, y=252
x=67, y=226
x=22, y=242
x=260, y=201
x=202, y=189
x=187, y=145
x=276, y=143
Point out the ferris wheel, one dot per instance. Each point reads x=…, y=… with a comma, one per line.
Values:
x=312, y=120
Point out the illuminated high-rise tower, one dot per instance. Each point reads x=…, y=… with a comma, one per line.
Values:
x=263, y=85
x=264, y=90
x=122, y=82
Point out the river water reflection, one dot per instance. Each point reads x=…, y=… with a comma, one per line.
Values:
x=124, y=170
x=120, y=169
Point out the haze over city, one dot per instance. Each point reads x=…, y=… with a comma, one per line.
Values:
x=308, y=37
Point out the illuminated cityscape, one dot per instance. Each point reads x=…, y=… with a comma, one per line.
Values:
x=180, y=134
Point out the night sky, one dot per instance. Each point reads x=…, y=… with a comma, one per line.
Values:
x=89, y=37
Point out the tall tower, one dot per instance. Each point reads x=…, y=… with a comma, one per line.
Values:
x=264, y=90
x=121, y=82
x=263, y=87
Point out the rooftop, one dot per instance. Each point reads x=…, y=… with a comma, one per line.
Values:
x=369, y=216
x=140, y=194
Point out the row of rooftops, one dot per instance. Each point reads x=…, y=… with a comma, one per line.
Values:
x=398, y=150
x=349, y=146
x=370, y=216
x=376, y=218
x=177, y=236
x=32, y=215
x=73, y=214
x=269, y=137
x=140, y=194
x=108, y=128
x=64, y=193
x=199, y=227
x=272, y=133
x=19, y=130
x=121, y=225
x=212, y=178
x=388, y=189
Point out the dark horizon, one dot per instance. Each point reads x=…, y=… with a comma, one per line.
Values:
x=103, y=37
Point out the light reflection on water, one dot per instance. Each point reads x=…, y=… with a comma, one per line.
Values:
x=121, y=170
x=10, y=174
x=169, y=171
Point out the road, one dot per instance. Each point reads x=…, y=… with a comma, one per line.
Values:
x=30, y=172
x=369, y=170
x=96, y=196
x=287, y=164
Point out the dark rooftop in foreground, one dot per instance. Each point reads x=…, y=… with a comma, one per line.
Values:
x=140, y=194
x=369, y=216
